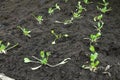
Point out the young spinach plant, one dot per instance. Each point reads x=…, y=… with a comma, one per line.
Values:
x=25, y=31
x=98, y=18
x=38, y=18
x=94, y=37
x=44, y=60
x=94, y=62
x=51, y=10
x=79, y=10
x=58, y=36
x=4, y=48
x=105, y=8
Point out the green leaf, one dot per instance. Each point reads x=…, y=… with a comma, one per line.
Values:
x=98, y=34
x=27, y=60
x=42, y=54
x=44, y=61
x=57, y=6
x=93, y=57
x=92, y=48
x=48, y=54
x=2, y=47
x=96, y=63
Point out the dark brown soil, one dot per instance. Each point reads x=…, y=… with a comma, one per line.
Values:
x=19, y=12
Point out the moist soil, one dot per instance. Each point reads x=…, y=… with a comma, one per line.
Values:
x=19, y=12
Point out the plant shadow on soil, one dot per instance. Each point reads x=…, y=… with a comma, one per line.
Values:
x=19, y=12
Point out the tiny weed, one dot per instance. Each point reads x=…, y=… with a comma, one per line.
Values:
x=4, y=48
x=39, y=19
x=51, y=10
x=44, y=60
x=58, y=36
x=25, y=31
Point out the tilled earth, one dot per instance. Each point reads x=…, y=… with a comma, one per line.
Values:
x=19, y=12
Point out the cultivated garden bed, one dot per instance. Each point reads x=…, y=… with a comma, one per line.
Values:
x=81, y=42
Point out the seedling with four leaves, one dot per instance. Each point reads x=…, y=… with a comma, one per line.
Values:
x=58, y=36
x=25, y=31
x=51, y=10
x=44, y=60
x=4, y=48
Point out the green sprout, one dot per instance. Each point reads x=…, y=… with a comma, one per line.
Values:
x=79, y=10
x=93, y=60
x=66, y=21
x=95, y=37
x=39, y=19
x=99, y=26
x=25, y=31
x=43, y=61
x=105, y=3
x=86, y=1
x=98, y=18
x=51, y=10
x=104, y=9
x=4, y=48
x=57, y=36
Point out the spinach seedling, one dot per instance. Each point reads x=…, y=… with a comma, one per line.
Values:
x=87, y=1
x=4, y=48
x=105, y=3
x=93, y=60
x=39, y=19
x=66, y=21
x=58, y=36
x=99, y=26
x=105, y=8
x=43, y=61
x=51, y=10
x=98, y=18
x=25, y=31
x=79, y=10
x=94, y=37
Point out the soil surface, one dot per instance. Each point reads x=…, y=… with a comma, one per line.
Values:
x=19, y=12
